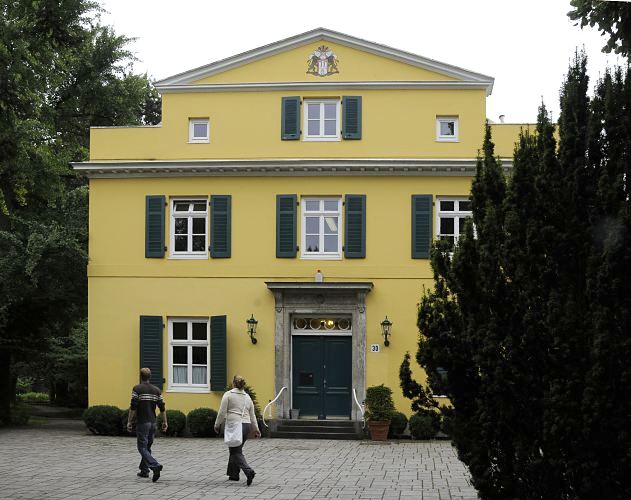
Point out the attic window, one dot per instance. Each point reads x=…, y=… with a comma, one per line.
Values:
x=322, y=120
x=447, y=128
x=198, y=130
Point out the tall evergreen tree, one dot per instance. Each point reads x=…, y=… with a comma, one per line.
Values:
x=531, y=315
x=60, y=73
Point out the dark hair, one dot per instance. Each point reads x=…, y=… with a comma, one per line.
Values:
x=238, y=381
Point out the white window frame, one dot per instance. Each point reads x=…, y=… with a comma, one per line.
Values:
x=321, y=137
x=447, y=138
x=195, y=388
x=337, y=255
x=191, y=131
x=190, y=215
x=456, y=214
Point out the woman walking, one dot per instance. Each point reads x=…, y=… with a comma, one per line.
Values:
x=236, y=406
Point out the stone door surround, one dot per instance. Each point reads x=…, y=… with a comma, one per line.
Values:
x=327, y=298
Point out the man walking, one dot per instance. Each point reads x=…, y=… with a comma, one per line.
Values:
x=144, y=399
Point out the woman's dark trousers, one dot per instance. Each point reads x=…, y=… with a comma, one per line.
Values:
x=237, y=461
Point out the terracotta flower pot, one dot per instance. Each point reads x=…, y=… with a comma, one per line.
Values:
x=379, y=429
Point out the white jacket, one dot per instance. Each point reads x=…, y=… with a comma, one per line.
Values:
x=231, y=409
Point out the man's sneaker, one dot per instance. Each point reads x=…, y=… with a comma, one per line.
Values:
x=250, y=476
x=156, y=473
x=143, y=473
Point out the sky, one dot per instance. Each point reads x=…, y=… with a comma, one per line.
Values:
x=525, y=45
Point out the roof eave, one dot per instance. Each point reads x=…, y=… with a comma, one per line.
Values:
x=188, y=77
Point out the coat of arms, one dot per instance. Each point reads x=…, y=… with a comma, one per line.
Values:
x=322, y=62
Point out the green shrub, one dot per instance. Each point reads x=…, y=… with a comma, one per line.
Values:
x=20, y=414
x=124, y=418
x=424, y=425
x=24, y=384
x=103, y=420
x=398, y=423
x=201, y=422
x=34, y=397
x=176, y=421
x=447, y=420
x=379, y=404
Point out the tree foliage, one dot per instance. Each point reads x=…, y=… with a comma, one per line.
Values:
x=613, y=19
x=531, y=312
x=60, y=73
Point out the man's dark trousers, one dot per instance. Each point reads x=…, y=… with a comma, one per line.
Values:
x=144, y=435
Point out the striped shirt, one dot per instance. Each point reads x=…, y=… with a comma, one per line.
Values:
x=144, y=399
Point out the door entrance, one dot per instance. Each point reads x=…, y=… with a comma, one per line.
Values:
x=322, y=376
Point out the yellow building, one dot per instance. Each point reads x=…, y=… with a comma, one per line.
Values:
x=299, y=185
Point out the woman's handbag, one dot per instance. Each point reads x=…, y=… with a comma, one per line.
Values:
x=233, y=433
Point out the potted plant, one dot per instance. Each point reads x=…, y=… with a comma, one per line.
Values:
x=379, y=411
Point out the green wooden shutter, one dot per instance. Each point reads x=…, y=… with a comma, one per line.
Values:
x=355, y=226
x=218, y=353
x=352, y=117
x=286, y=225
x=220, y=229
x=154, y=226
x=151, y=347
x=421, y=225
x=290, y=119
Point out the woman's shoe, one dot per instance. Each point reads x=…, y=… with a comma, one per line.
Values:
x=233, y=478
x=250, y=476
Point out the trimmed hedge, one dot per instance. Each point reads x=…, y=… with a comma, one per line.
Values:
x=201, y=422
x=379, y=403
x=176, y=421
x=398, y=423
x=424, y=425
x=34, y=397
x=103, y=420
x=20, y=414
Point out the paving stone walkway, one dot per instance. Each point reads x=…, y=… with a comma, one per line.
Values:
x=63, y=461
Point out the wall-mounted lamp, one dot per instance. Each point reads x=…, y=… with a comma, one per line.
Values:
x=252, y=328
x=386, y=324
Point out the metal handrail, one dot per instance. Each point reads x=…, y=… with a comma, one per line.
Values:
x=361, y=408
x=270, y=403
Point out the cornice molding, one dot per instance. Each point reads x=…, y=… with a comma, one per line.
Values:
x=364, y=286
x=362, y=167
x=367, y=85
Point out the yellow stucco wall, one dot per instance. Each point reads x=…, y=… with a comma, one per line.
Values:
x=124, y=285
x=354, y=65
x=505, y=135
x=395, y=124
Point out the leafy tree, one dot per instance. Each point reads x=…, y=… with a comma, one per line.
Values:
x=531, y=314
x=60, y=73
x=613, y=19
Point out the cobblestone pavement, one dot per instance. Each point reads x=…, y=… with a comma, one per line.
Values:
x=64, y=461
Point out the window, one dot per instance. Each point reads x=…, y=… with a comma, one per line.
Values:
x=189, y=352
x=189, y=233
x=322, y=120
x=321, y=232
x=447, y=129
x=452, y=214
x=198, y=131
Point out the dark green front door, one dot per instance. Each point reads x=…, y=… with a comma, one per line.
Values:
x=321, y=375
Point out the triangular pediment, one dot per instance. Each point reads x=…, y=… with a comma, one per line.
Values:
x=322, y=56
